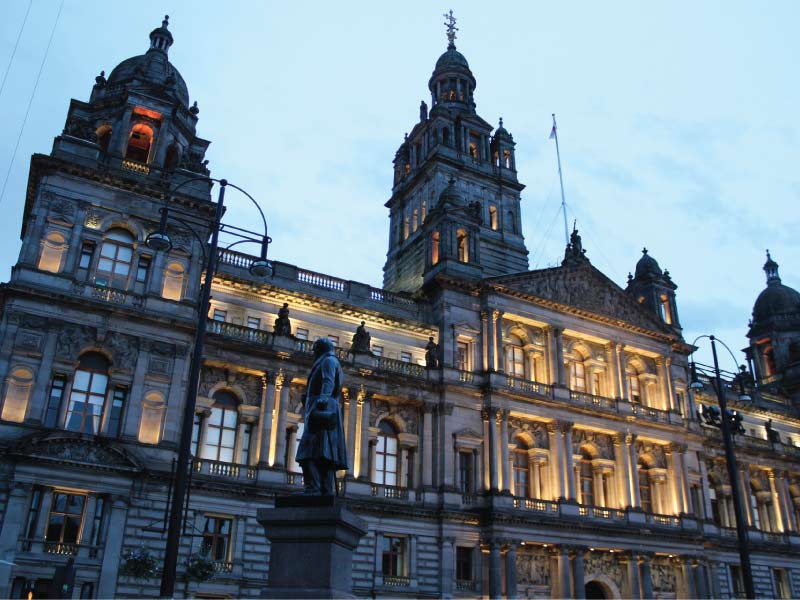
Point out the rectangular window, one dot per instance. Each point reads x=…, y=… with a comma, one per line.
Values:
x=198, y=423
x=54, y=400
x=405, y=357
x=217, y=537
x=254, y=322
x=578, y=377
x=393, y=556
x=697, y=501
x=87, y=253
x=117, y=406
x=247, y=432
x=142, y=269
x=783, y=588
x=97, y=521
x=462, y=352
x=220, y=315
x=33, y=513
x=87, y=589
x=64, y=522
x=464, y=563
x=301, y=334
x=466, y=474
x=737, y=581
x=377, y=350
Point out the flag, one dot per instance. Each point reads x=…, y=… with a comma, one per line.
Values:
x=553, y=132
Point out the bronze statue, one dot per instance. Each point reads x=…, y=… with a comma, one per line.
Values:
x=282, y=324
x=432, y=354
x=362, y=340
x=321, y=451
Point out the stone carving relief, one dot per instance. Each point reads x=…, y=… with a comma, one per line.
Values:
x=250, y=385
x=604, y=563
x=159, y=366
x=603, y=442
x=124, y=350
x=533, y=568
x=407, y=412
x=74, y=338
x=27, y=341
x=94, y=218
x=60, y=207
x=80, y=128
x=654, y=451
x=536, y=430
x=663, y=575
x=79, y=451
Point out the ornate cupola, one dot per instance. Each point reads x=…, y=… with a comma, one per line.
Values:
x=451, y=146
x=138, y=121
x=655, y=290
x=775, y=330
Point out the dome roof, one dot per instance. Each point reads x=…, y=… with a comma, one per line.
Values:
x=452, y=59
x=647, y=267
x=153, y=69
x=776, y=299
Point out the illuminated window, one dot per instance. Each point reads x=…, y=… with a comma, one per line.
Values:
x=463, y=245
x=18, y=389
x=586, y=487
x=666, y=313
x=423, y=211
x=462, y=356
x=116, y=255
x=515, y=358
x=394, y=559
x=220, y=315
x=151, y=424
x=405, y=357
x=87, y=253
x=139, y=143
x=217, y=538
x=88, y=394
x=522, y=482
x=415, y=220
x=473, y=150
x=406, y=227
x=769, y=361
x=221, y=427
x=64, y=521
x=507, y=159
x=634, y=389
x=493, y=217
x=174, y=276
x=54, y=247
x=578, y=372
x=645, y=489
x=597, y=383
x=386, y=454
x=435, y=248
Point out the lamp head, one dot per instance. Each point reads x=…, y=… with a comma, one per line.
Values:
x=261, y=268
x=744, y=397
x=159, y=241
x=696, y=383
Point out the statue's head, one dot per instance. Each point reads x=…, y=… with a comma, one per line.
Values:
x=322, y=346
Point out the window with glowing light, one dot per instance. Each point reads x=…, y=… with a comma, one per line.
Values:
x=88, y=394
x=153, y=409
x=139, y=143
x=54, y=247
x=664, y=306
x=174, y=276
x=386, y=455
x=521, y=468
x=221, y=428
x=18, y=390
x=493, y=217
x=578, y=376
x=435, y=248
x=634, y=386
x=103, y=137
x=116, y=256
x=515, y=357
x=462, y=241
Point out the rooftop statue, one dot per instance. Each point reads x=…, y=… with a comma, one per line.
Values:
x=321, y=451
x=282, y=324
x=362, y=340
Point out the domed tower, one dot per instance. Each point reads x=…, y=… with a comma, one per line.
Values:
x=138, y=120
x=775, y=332
x=452, y=142
x=655, y=290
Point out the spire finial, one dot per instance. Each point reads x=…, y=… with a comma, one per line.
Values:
x=165, y=22
x=771, y=269
x=450, y=23
x=644, y=250
x=501, y=121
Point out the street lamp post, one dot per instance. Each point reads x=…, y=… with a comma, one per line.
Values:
x=160, y=241
x=733, y=470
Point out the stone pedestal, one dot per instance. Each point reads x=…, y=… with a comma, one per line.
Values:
x=311, y=547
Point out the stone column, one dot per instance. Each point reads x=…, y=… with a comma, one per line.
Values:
x=549, y=356
x=511, y=570
x=621, y=459
x=265, y=409
x=491, y=338
x=633, y=576
x=534, y=465
x=120, y=134
x=665, y=403
x=613, y=371
x=568, y=470
x=620, y=365
x=707, y=512
x=556, y=462
x=786, y=502
x=132, y=417
x=562, y=579
x=579, y=586
x=282, y=387
x=494, y=478
x=447, y=572
x=700, y=578
x=487, y=449
x=427, y=444
x=495, y=571
x=633, y=463
x=41, y=521
x=13, y=520
x=498, y=341
x=687, y=573
x=352, y=430
x=486, y=356
x=647, y=580
x=688, y=501
x=560, y=370
x=744, y=487
x=597, y=480
x=115, y=534
x=40, y=394
x=670, y=391
x=363, y=463
x=503, y=418
x=448, y=453
x=777, y=505
x=673, y=481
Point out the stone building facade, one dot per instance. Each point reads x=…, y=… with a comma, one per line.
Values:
x=509, y=432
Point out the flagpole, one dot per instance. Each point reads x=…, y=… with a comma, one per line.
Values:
x=561, y=180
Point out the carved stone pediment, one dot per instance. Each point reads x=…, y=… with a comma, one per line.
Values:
x=78, y=450
x=585, y=288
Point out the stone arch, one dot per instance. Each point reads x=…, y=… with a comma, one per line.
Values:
x=519, y=331
x=526, y=437
x=580, y=349
x=609, y=588
x=394, y=419
x=234, y=389
x=638, y=365
x=131, y=226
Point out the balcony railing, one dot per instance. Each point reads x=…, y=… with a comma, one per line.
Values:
x=239, y=332
x=398, y=366
x=320, y=280
x=593, y=400
x=218, y=468
x=223, y=566
x=135, y=166
x=665, y=520
x=61, y=548
x=389, y=491
x=466, y=376
x=532, y=387
x=396, y=581
x=648, y=412
x=465, y=585
x=544, y=506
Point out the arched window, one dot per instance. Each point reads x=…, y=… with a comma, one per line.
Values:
x=423, y=211
x=586, y=474
x=220, y=438
x=473, y=150
x=664, y=306
x=493, y=217
x=139, y=143
x=521, y=467
x=769, y=361
x=515, y=357
x=174, y=276
x=435, y=248
x=88, y=394
x=18, y=390
x=386, y=454
x=462, y=239
x=415, y=219
x=634, y=385
x=116, y=255
x=507, y=159
x=54, y=247
x=103, y=137
x=152, y=418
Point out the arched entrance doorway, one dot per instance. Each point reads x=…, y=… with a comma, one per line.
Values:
x=595, y=589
